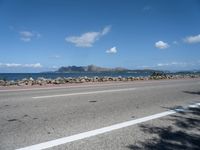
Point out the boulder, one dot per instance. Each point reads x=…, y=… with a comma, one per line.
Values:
x=41, y=78
x=31, y=79
x=2, y=83
x=82, y=80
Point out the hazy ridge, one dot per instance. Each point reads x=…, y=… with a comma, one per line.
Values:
x=93, y=68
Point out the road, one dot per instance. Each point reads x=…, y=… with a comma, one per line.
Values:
x=34, y=116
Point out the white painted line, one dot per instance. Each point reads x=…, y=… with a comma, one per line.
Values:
x=88, y=134
x=198, y=104
x=180, y=109
x=193, y=106
x=85, y=93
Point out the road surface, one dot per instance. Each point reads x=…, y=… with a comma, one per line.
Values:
x=129, y=115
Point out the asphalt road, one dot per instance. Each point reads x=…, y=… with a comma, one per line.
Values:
x=34, y=116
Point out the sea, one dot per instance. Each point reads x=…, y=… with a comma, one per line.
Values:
x=20, y=76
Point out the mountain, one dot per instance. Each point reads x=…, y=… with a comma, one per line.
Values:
x=90, y=68
x=93, y=68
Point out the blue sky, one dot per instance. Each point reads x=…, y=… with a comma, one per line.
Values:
x=42, y=35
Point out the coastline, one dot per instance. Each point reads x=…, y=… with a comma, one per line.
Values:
x=85, y=81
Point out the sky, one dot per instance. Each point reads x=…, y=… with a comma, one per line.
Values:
x=43, y=35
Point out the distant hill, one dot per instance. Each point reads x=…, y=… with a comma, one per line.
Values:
x=90, y=68
x=93, y=68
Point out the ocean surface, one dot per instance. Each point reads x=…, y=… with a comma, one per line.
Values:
x=19, y=76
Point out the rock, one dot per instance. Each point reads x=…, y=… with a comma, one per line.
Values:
x=55, y=82
x=24, y=79
x=31, y=79
x=41, y=78
x=115, y=79
x=12, y=82
x=30, y=82
x=123, y=79
x=119, y=78
x=49, y=81
x=82, y=80
x=60, y=80
x=77, y=80
x=68, y=80
x=2, y=83
x=104, y=79
x=88, y=80
x=129, y=78
x=20, y=83
x=39, y=82
x=156, y=74
x=137, y=78
x=95, y=79
x=141, y=78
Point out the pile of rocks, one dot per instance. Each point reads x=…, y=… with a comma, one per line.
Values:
x=64, y=80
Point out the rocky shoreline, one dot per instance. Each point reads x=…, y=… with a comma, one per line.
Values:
x=44, y=81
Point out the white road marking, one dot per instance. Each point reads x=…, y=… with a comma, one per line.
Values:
x=180, y=109
x=88, y=134
x=197, y=105
x=85, y=93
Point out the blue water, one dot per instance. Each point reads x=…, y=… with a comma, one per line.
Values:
x=19, y=76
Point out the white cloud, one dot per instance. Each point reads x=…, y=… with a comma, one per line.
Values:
x=87, y=39
x=112, y=50
x=106, y=30
x=54, y=67
x=192, y=39
x=27, y=36
x=180, y=64
x=37, y=65
x=174, y=65
x=161, y=45
x=14, y=65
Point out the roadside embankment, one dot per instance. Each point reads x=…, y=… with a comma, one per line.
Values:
x=67, y=80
